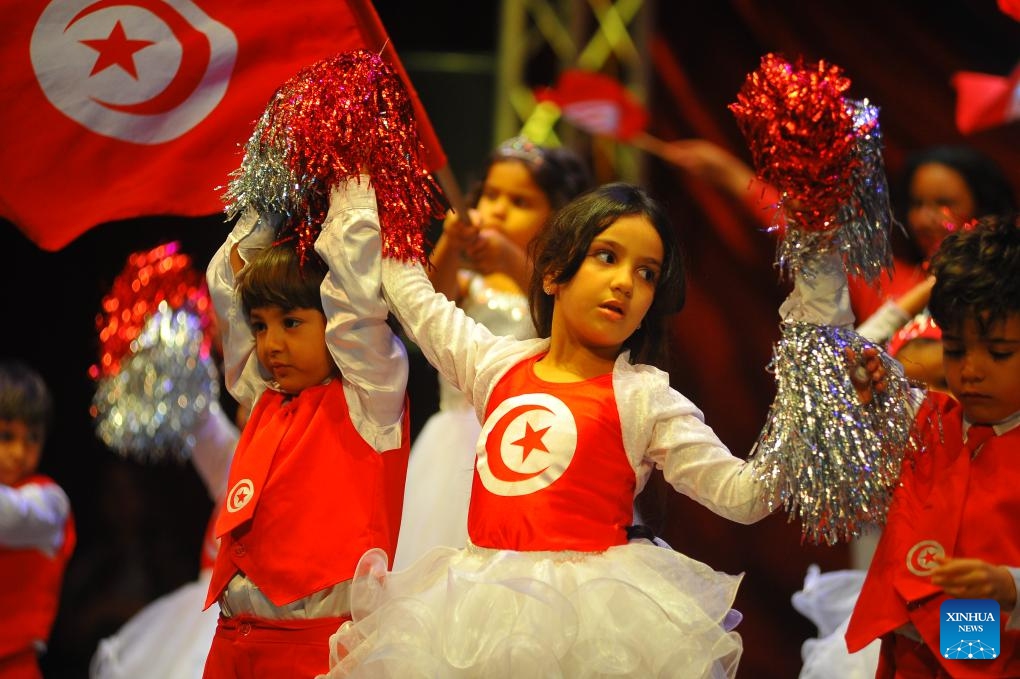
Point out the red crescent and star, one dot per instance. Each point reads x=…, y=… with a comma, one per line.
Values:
x=530, y=442
x=118, y=50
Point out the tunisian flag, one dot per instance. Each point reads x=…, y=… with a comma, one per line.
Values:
x=124, y=108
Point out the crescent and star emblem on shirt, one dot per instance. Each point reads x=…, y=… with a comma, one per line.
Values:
x=921, y=559
x=240, y=495
x=141, y=71
x=529, y=441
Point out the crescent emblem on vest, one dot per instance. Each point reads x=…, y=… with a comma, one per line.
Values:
x=921, y=559
x=527, y=442
x=142, y=71
x=240, y=495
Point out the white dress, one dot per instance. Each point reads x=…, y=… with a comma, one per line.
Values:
x=442, y=460
x=828, y=599
x=519, y=601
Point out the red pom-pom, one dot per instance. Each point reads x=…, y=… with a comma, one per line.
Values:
x=800, y=132
x=341, y=117
x=162, y=275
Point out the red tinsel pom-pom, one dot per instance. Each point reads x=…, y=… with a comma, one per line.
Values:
x=801, y=135
x=341, y=117
x=160, y=276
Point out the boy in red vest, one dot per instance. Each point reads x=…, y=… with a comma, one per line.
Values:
x=953, y=525
x=318, y=476
x=36, y=525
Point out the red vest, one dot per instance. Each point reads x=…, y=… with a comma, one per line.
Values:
x=30, y=583
x=307, y=496
x=971, y=508
x=553, y=474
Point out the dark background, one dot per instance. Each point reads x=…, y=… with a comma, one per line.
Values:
x=140, y=527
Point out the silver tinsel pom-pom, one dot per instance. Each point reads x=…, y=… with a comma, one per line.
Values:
x=149, y=409
x=828, y=459
x=861, y=227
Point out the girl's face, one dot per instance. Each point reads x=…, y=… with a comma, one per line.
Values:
x=291, y=345
x=20, y=447
x=512, y=202
x=940, y=201
x=984, y=372
x=606, y=300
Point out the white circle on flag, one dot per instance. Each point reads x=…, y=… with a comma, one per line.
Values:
x=526, y=444
x=240, y=495
x=142, y=71
x=921, y=558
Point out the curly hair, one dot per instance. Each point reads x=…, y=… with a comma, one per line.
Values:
x=977, y=274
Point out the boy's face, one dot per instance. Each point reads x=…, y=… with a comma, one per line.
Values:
x=983, y=373
x=291, y=344
x=20, y=447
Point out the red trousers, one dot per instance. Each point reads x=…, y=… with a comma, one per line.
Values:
x=256, y=648
x=904, y=658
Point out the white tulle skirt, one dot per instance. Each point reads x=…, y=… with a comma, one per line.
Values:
x=636, y=610
x=168, y=639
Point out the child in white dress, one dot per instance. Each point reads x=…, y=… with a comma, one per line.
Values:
x=482, y=264
x=574, y=422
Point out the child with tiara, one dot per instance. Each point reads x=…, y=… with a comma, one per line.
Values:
x=574, y=422
x=480, y=262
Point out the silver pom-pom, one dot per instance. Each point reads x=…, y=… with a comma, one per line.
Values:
x=827, y=458
x=149, y=409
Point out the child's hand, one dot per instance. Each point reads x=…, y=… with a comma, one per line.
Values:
x=460, y=232
x=866, y=373
x=975, y=579
x=491, y=252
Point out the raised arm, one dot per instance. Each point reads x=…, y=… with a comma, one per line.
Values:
x=242, y=374
x=371, y=358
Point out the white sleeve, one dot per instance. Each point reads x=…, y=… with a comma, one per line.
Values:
x=696, y=463
x=883, y=324
x=215, y=439
x=33, y=516
x=242, y=373
x=820, y=294
x=372, y=360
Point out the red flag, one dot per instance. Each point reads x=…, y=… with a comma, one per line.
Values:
x=984, y=101
x=125, y=108
x=596, y=103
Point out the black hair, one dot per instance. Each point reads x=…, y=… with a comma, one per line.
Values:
x=280, y=276
x=977, y=274
x=24, y=395
x=990, y=187
x=562, y=246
